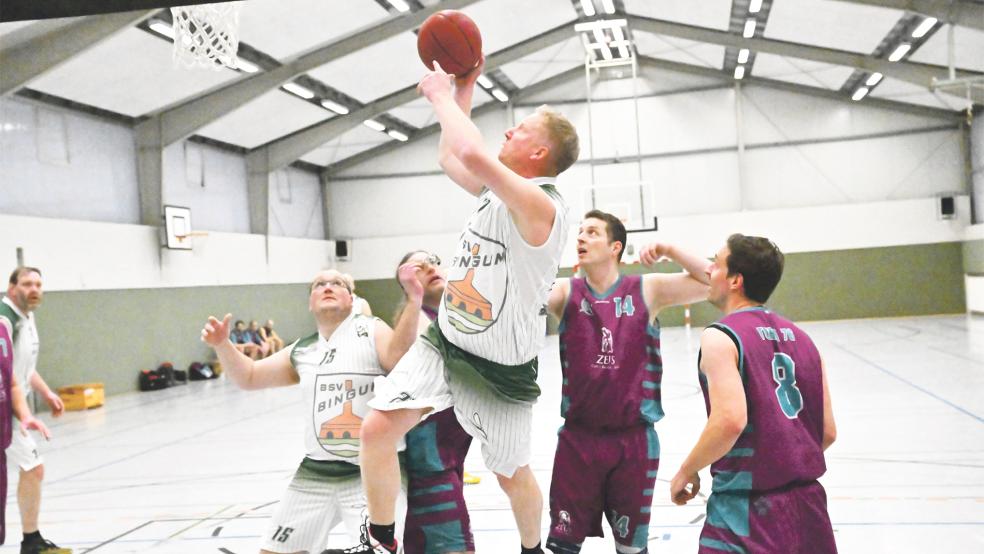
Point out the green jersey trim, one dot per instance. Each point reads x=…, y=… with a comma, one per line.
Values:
x=513, y=381
x=302, y=343
x=10, y=315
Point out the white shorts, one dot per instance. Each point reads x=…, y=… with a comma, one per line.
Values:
x=310, y=509
x=503, y=425
x=23, y=451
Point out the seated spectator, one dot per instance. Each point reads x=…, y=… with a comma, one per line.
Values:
x=359, y=304
x=268, y=334
x=241, y=340
x=257, y=339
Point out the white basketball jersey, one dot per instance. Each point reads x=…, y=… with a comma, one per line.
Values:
x=337, y=383
x=495, y=300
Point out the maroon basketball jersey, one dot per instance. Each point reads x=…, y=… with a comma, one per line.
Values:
x=6, y=371
x=780, y=371
x=610, y=358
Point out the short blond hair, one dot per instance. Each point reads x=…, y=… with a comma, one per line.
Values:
x=349, y=280
x=563, y=137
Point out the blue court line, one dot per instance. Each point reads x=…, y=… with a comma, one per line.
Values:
x=913, y=385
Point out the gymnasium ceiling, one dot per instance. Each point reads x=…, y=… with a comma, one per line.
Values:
x=362, y=54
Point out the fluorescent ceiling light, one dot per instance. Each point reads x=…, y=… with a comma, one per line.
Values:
x=247, y=66
x=899, y=52
x=755, y=6
x=294, y=88
x=874, y=79
x=484, y=81
x=860, y=93
x=397, y=135
x=609, y=6
x=374, y=125
x=739, y=72
x=162, y=28
x=599, y=24
x=400, y=5
x=749, y=28
x=743, y=55
x=588, y=7
x=924, y=27
x=335, y=107
x=499, y=95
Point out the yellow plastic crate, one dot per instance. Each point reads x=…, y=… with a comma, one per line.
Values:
x=83, y=397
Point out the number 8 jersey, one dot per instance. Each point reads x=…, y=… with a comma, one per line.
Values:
x=783, y=382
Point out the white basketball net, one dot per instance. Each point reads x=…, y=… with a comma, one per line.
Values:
x=206, y=35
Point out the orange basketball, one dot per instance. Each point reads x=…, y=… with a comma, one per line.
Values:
x=451, y=38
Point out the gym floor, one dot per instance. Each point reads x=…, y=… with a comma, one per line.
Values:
x=198, y=468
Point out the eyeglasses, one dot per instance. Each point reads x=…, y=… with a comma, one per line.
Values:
x=433, y=259
x=337, y=283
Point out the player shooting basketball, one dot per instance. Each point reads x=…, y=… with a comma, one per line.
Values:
x=480, y=355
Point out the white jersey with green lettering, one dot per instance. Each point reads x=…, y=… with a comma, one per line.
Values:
x=497, y=284
x=337, y=383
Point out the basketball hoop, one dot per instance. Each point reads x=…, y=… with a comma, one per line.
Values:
x=206, y=35
x=186, y=241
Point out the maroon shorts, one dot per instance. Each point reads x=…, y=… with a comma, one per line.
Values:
x=602, y=472
x=791, y=520
x=437, y=518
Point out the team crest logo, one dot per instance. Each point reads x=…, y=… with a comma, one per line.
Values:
x=586, y=307
x=607, y=341
x=475, y=292
x=339, y=406
x=563, y=526
x=361, y=330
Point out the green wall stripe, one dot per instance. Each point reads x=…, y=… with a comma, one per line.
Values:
x=109, y=335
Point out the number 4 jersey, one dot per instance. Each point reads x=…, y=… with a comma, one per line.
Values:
x=780, y=371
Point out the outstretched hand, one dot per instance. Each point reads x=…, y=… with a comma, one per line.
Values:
x=216, y=332
x=435, y=83
x=468, y=79
x=407, y=274
x=32, y=423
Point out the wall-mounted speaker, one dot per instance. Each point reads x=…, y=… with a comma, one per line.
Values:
x=342, y=250
x=948, y=208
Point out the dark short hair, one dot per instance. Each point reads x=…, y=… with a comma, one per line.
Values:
x=20, y=270
x=238, y=321
x=760, y=263
x=613, y=226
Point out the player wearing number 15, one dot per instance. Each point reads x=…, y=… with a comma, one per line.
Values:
x=769, y=416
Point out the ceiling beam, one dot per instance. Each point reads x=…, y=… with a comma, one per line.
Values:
x=33, y=50
x=817, y=92
x=180, y=120
x=958, y=12
x=488, y=107
x=911, y=72
x=288, y=148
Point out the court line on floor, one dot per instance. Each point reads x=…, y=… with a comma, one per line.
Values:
x=223, y=425
x=911, y=384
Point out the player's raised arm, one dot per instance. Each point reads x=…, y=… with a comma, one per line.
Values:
x=527, y=153
x=464, y=88
x=392, y=344
x=274, y=371
x=674, y=289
